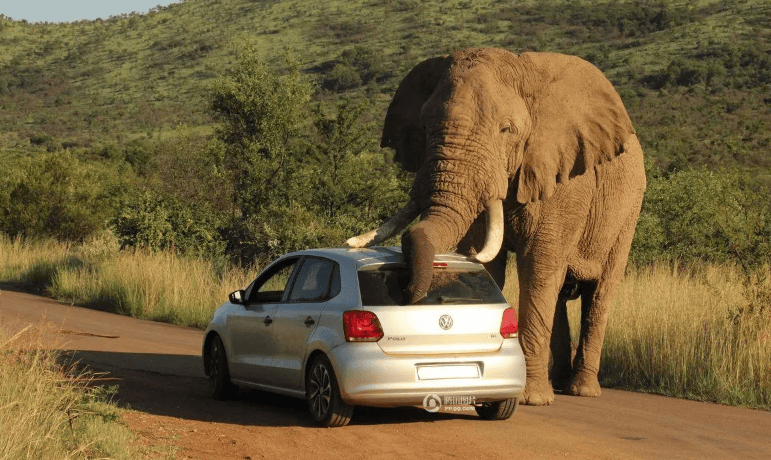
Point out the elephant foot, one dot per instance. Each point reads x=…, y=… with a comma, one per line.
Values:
x=537, y=395
x=584, y=385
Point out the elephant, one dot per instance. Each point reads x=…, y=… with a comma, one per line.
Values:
x=530, y=153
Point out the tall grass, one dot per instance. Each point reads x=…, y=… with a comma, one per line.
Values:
x=701, y=333
x=698, y=333
x=50, y=411
x=160, y=286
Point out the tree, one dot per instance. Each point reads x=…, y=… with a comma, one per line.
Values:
x=161, y=221
x=294, y=187
x=352, y=182
x=262, y=113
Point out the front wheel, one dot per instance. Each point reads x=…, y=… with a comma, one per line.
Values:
x=323, y=394
x=497, y=410
x=219, y=374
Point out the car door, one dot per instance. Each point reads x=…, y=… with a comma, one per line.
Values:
x=317, y=281
x=251, y=327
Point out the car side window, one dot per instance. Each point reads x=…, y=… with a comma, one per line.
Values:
x=313, y=281
x=270, y=286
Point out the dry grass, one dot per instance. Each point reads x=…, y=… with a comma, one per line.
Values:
x=701, y=333
x=159, y=286
x=48, y=410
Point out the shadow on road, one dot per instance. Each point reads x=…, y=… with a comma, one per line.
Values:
x=176, y=387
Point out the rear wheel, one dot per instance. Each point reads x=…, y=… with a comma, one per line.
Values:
x=219, y=375
x=323, y=394
x=497, y=410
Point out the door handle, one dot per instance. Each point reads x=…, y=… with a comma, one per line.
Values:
x=268, y=320
x=309, y=321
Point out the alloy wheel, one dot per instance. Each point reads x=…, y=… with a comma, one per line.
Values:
x=214, y=364
x=320, y=391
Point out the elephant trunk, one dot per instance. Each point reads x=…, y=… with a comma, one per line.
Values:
x=418, y=251
x=442, y=231
x=458, y=181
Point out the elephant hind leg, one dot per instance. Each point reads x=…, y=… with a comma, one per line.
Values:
x=561, y=350
x=595, y=306
x=586, y=365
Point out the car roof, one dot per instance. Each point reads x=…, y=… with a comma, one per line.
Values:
x=379, y=255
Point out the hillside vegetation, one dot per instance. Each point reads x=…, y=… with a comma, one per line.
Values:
x=140, y=124
x=694, y=74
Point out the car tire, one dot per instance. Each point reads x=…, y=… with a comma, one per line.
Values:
x=323, y=395
x=219, y=374
x=497, y=410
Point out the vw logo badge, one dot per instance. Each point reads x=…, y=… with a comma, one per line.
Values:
x=445, y=322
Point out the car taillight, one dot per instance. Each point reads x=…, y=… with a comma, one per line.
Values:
x=361, y=326
x=509, y=326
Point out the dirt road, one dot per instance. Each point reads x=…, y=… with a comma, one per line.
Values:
x=159, y=371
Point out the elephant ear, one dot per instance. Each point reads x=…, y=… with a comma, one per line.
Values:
x=402, y=130
x=578, y=120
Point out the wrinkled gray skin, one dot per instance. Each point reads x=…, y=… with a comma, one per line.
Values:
x=548, y=135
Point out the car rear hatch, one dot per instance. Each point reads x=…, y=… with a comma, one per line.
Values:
x=461, y=313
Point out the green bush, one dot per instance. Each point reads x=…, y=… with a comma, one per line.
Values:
x=604, y=19
x=109, y=151
x=356, y=66
x=139, y=154
x=191, y=168
x=348, y=176
x=276, y=229
x=258, y=107
x=342, y=77
x=699, y=214
x=56, y=195
x=716, y=65
x=163, y=222
x=263, y=114
x=745, y=65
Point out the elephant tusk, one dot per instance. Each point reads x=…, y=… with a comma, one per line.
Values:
x=394, y=225
x=494, y=237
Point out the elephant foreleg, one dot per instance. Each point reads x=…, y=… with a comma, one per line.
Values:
x=538, y=294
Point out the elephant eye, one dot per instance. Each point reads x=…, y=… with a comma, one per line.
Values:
x=506, y=129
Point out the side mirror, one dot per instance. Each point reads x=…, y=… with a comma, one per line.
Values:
x=237, y=297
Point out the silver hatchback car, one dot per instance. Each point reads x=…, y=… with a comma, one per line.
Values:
x=328, y=325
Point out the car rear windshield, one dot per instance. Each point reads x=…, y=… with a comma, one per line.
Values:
x=384, y=286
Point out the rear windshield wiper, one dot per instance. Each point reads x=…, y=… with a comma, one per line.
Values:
x=448, y=299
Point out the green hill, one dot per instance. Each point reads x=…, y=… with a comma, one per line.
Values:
x=694, y=74
x=124, y=106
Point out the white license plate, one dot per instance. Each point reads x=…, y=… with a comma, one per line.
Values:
x=465, y=371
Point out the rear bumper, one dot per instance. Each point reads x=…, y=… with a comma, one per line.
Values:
x=369, y=377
